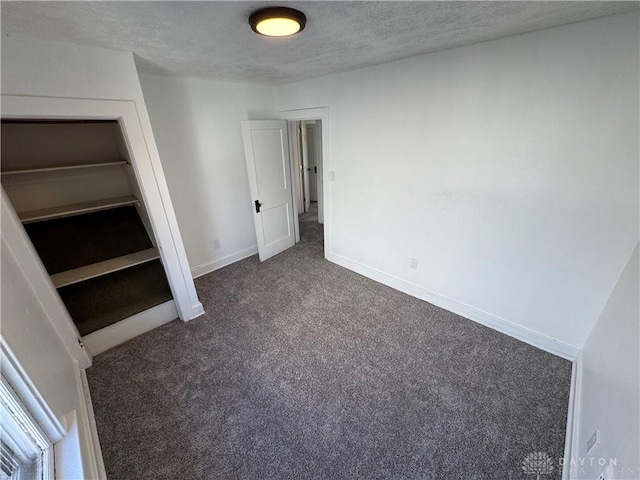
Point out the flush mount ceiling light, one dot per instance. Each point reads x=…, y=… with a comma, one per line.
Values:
x=277, y=21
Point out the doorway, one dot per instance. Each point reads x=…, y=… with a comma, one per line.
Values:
x=307, y=178
x=277, y=175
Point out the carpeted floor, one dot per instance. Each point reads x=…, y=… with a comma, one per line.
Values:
x=301, y=369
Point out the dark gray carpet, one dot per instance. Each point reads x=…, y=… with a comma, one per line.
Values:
x=304, y=370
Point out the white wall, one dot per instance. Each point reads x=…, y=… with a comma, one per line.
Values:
x=197, y=128
x=610, y=382
x=49, y=68
x=26, y=328
x=509, y=169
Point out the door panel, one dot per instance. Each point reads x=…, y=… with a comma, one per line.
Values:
x=275, y=224
x=267, y=155
x=269, y=162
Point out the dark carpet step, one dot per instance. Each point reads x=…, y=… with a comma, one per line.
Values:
x=72, y=242
x=105, y=300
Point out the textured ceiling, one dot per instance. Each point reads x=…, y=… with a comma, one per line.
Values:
x=213, y=39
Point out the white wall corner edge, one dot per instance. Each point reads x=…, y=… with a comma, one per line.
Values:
x=203, y=269
x=501, y=325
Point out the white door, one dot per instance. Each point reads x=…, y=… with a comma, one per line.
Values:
x=305, y=167
x=266, y=147
x=313, y=167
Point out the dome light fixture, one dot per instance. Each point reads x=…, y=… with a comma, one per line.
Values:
x=277, y=21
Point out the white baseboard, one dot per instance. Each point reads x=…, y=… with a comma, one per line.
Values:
x=504, y=326
x=572, y=446
x=108, y=337
x=93, y=464
x=197, y=310
x=205, y=268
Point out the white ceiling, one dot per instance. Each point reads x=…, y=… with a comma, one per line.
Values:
x=213, y=39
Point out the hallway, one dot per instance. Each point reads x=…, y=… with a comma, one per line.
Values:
x=310, y=229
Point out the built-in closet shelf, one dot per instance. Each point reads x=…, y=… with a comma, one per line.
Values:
x=76, y=209
x=74, y=189
x=104, y=300
x=103, y=268
x=58, y=168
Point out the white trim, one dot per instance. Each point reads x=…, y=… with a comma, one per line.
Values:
x=68, y=210
x=319, y=113
x=92, y=452
x=174, y=256
x=29, y=394
x=572, y=446
x=148, y=170
x=504, y=326
x=205, y=268
x=108, y=337
x=21, y=432
x=28, y=171
x=568, y=436
x=295, y=174
x=80, y=274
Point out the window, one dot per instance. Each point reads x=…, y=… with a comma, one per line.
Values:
x=25, y=452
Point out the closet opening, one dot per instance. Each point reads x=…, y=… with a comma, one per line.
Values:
x=73, y=187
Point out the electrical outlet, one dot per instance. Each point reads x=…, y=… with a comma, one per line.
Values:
x=594, y=439
x=216, y=244
x=413, y=264
x=332, y=175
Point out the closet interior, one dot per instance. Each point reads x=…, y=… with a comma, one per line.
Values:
x=73, y=187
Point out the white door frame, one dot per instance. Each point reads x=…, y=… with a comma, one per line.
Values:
x=317, y=113
x=296, y=175
x=305, y=166
x=313, y=125
x=155, y=195
x=296, y=161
